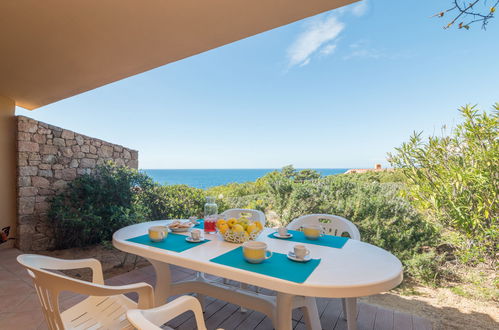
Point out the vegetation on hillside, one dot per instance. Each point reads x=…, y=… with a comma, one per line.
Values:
x=440, y=202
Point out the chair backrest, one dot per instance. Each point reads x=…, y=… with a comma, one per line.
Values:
x=48, y=284
x=253, y=215
x=332, y=224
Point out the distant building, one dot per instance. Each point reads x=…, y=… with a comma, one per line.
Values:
x=377, y=168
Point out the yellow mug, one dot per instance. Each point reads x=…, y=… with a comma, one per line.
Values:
x=312, y=231
x=255, y=252
x=158, y=233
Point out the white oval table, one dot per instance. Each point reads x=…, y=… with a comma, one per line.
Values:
x=357, y=269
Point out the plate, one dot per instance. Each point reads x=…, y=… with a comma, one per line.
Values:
x=190, y=240
x=291, y=256
x=181, y=229
x=276, y=235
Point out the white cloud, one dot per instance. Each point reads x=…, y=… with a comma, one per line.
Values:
x=319, y=33
x=360, y=8
x=328, y=49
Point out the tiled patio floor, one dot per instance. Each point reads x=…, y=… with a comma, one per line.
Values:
x=19, y=307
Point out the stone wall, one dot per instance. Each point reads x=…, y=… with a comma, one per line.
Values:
x=48, y=158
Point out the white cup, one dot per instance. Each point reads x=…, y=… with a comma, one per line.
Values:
x=196, y=235
x=282, y=231
x=158, y=233
x=193, y=220
x=301, y=251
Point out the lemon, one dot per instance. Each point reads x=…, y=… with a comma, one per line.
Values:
x=223, y=228
x=237, y=228
x=231, y=222
x=258, y=225
x=251, y=228
x=221, y=222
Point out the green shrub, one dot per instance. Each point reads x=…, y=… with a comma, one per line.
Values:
x=173, y=202
x=456, y=178
x=94, y=206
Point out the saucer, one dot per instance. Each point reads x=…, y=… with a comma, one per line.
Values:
x=190, y=240
x=289, y=235
x=291, y=255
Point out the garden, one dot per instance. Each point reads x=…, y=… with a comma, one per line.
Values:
x=437, y=211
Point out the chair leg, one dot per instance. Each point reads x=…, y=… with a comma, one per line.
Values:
x=201, y=299
x=351, y=312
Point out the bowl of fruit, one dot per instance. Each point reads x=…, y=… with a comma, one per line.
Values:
x=239, y=230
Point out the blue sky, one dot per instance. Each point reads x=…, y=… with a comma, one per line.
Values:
x=340, y=89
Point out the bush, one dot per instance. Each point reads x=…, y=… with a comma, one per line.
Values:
x=456, y=178
x=94, y=206
x=173, y=202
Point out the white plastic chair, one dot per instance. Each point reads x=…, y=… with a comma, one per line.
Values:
x=332, y=224
x=253, y=215
x=106, y=305
x=336, y=226
x=153, y=319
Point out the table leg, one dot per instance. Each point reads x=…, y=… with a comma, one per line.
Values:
x=311, y=314
x=351, y=307
x=163, y=282
x=284, y=309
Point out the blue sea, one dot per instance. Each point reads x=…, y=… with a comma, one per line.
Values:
x=206, y=178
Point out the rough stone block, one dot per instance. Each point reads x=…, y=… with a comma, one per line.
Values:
x=48, y=150
x=59, y=142
x=27, y=191
x=23, y=136
x=88, y=163
x=133, y=164
x=39, y=138
x=46, y=173
x=69, y=174
x=45, y=192
x=135, y=154
x=67, y=152
x=27, y=126
x=70, y=143
x=127, y=154
x=26, y=205
x=105, y=151
x=44, y=166
x=74, y=163
x=118, y=148
x=34, y=156
x=28, y=170
x=79, y=139
x=38, y=181
x=24, y=181
x=93, y=149
x=60, y=184
x=57, y=167
x=67, y=134
x=85, y=148
x=28, y=146
x=49, y=159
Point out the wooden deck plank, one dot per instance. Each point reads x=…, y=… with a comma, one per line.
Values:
x=179, y=320
x=366, y=317
x=402, y=321
x=419, y=323
x=266, y=324
x=251, y=321
x=331, y=314
x=219, y=317
x=384, y=319
x=233, y=321
x=210, y=310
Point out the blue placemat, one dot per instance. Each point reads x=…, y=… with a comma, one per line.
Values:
x=326, y=240
x=173, y=242
x=278, y=265
x=200, y=224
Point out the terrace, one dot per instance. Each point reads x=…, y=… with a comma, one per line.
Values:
x=20, y=306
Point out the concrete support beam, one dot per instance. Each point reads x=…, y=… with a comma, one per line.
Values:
x=7, y=168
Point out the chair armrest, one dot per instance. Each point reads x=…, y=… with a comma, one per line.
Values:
x=63, y=264
x=144, y=290
x=152, y=319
